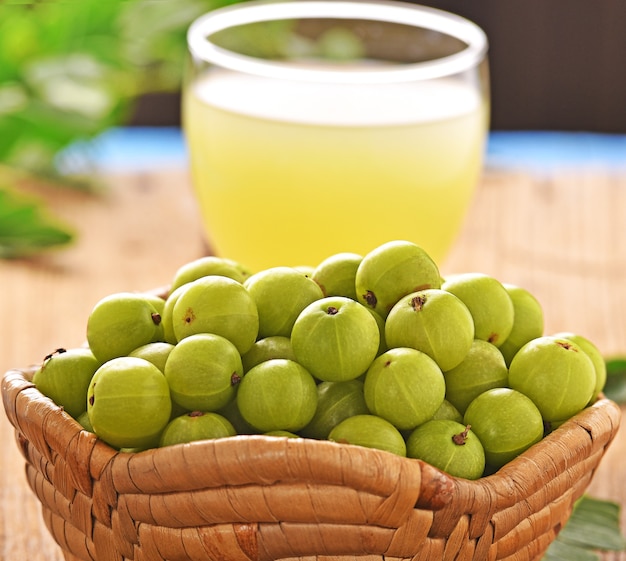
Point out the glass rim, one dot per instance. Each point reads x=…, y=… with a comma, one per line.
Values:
x=391, y=11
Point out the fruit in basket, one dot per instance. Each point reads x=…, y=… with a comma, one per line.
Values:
x=336, y=401
x=207, y=266
x=280, y=294
x=556, y=374
x=391, y=271
x=380, y=322
x=432, y=321
x=233, y=415
x=482, y=369
x=528, y=321
x=369, y=431
x=488, y=302
x=449, y=446
x=218, y=305
x=282, y=433
x=196, y=425
x=84, y=421
x=156, y=353
x=278, y=394
x=405, y=387
x=203, y=372
x=159, y=305
x=306, y=270
x=128, y=403
x=121, y=322
x=361, y=350
x=275, y=346
x=337, y=273
x=594, y=354
x=64, y=376
x=167, y=319
x=506, y=422
x=157, y=301
x=448, y=412
x=335, y=339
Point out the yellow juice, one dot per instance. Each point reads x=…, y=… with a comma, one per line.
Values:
x=289, y=174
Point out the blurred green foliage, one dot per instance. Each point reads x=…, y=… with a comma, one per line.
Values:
x=593, y=527
x=70, y=69
x=615, y=387
x=25, y=228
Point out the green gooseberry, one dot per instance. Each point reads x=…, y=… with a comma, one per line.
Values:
x=448, y=412
x=121, y=322
x=528, y=321
x=278, y=394
x=280, y=294
x=335, y=339
x=432, y=321
x=336, y=401
x=167, y=319
x=405, y=387
x=369, y=431
x=449, y=446
x=506, y=422
x=203, y=372
x=194, y=426
x=337, y=273
x=556, y=374
x=128, y=403
x=275, y=346
x=482, y=369
x=282, y=433
x=488, y=302
x=218, y=305
x=209, y=265
x=231, y=412
x=391, y=271
x=156, y=353
x=64, y=376
x=594, y=354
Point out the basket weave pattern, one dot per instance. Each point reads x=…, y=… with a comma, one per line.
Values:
x=254, y=498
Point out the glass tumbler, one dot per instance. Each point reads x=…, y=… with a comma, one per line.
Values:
x=321, y=127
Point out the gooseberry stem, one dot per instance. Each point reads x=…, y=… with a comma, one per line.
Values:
x=370, y=299
x=418, y=302
x=461, y=438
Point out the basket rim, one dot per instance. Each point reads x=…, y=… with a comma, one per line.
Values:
x=603, y=409
x=522, y=505
x=495, y=511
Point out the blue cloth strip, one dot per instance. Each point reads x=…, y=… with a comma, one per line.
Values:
x=127, y=148
x=549, y=149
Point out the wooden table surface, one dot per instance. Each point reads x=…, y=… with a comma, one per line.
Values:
x=561, y=233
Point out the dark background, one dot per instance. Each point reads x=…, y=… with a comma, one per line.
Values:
x=555, y=64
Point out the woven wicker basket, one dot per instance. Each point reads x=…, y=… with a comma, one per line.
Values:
x=260, y=498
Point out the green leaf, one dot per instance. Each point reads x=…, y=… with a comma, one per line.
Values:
x=68, y=72
x=615, y=387
x=562, y=551
x=25, y=228
x=594, y=525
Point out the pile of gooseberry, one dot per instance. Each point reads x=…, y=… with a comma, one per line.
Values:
x=376, y=350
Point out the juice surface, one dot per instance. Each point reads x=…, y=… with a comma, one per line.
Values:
x=289, y=175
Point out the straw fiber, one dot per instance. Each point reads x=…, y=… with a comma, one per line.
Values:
x=256, y=498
